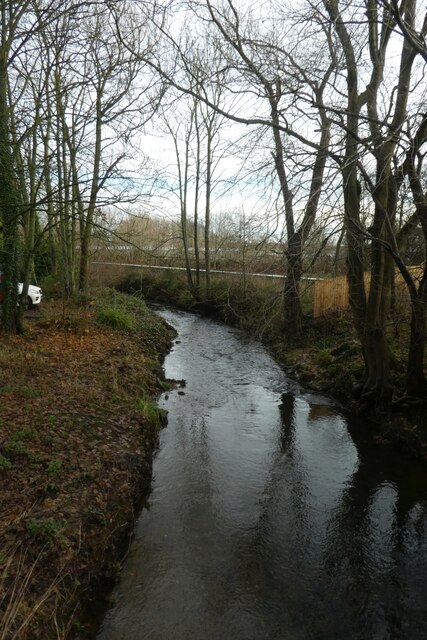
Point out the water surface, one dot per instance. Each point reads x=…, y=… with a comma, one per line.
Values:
x=267, y=521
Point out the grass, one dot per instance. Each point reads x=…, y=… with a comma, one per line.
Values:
x=54, y=467
x=151, y=412
x=44, y=529
x=22, y=392
x=17, y=615
x=5, y=463
x=116, y=319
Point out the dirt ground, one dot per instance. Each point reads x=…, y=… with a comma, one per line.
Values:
x=77, y=432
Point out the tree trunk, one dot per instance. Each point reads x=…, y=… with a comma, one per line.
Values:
x=196, y=205
x=291, y=293
x=90, y=214
x=63, y=187
x=415, y=379
x=370, y=311
x=9, y=212
x=209, y=160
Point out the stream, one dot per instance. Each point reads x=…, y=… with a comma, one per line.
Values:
x=269, y=517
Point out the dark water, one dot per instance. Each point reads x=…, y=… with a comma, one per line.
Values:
x=267, y=521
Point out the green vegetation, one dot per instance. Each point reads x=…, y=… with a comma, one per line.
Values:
x=44, y=529
x=54, y=467
x=5, y=463
x=22, y=392
x=151, y=412
x=256, y=306
x=116, y=319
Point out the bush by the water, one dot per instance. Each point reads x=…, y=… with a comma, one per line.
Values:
x=116, y=319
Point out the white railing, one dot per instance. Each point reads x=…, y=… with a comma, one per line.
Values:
x=233, y=273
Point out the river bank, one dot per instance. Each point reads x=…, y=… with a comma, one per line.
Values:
x=330, y=362
x=78, y=426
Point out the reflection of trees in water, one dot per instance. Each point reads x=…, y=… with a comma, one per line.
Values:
x=371, y=553
x=244, y=560
x=364, y=579
x=287, y=417
x=293, y=577
x=261, y=557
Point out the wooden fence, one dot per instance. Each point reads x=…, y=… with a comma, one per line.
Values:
x=331, y=294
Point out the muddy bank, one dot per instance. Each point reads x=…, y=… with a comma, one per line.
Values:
x=78, y=426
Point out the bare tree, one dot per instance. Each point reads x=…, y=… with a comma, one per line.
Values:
x=12, y=40
x=261, y=68
x=373, y=134
x=195, y=129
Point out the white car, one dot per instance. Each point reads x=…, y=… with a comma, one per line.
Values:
x=34, y=296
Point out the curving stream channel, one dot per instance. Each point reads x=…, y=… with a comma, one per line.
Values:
x=267, y=519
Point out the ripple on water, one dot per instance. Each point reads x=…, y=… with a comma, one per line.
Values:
x=267, y=521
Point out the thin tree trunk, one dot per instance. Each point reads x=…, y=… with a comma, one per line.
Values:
x=88, y=225
x=209, y=160
x=196, y=205
x=416, y=384
x=9, y=207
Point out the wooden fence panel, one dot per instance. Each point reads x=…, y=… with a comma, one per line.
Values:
x=331, y=294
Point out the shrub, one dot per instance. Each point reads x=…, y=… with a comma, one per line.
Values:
x=323, y=357
x=116, y=318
